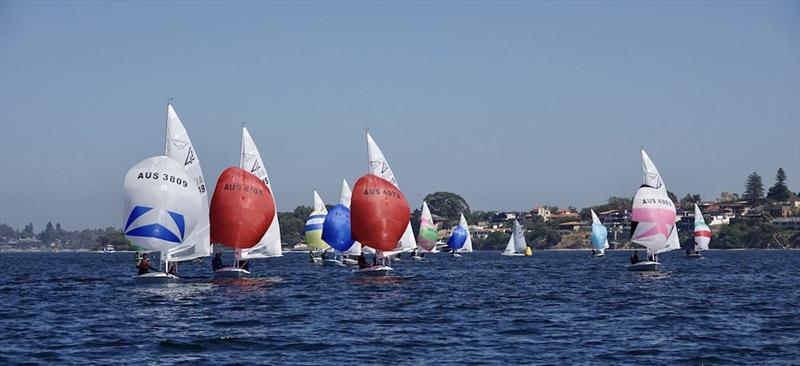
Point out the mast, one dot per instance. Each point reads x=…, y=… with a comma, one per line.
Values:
x=166, y=126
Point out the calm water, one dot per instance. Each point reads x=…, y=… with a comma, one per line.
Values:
x=734, y=307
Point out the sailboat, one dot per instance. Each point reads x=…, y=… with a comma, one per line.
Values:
x=702, y=234
x=653, y=218
x=467, y=248
x=380, y=215
x=164, y=207
x=458, y=237
x=336, y=231
x=270, y=243
x=599, y=236
x=242, y=209
x=313, y=228
x=428, y=235
x=143, y=227
x=517, y=246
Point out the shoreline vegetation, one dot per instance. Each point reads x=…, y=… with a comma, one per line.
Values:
x=754, y=220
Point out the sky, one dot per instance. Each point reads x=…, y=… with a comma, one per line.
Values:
x=509, y=104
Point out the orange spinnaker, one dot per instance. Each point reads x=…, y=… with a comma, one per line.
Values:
x=379, y=213
x=242, y=209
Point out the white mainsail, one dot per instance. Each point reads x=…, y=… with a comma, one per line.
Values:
x=347, y=195
x=653, y=215
x=270, y=243
x=178, y=146
x=162, y=204
x=467, y=248
x=380, y=167
x=516, y=243
x=702, y=233
x=519, y=238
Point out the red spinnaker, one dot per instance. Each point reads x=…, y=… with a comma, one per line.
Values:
x=379, y=213
x=242, y=209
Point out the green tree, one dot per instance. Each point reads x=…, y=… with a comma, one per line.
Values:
x=8, y=232
x=753, y=188
x=49, y=234
x=779, y=192
x=673, y=197
x=27, y=232
x=689, y=200
x=728, y=197
x=447, y=205
x=115, y=238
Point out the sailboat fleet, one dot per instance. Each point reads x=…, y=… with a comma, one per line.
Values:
x=168, y=211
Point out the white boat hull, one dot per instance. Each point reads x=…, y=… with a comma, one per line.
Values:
x=376, y=271
x=600, y=255
x=694, y=256
x=456, y=255
x=350, y=262
x=513, y=254
x=231, y=272
x=418, y=258
x=155, y=277
x=645, y=266
x=332, y=263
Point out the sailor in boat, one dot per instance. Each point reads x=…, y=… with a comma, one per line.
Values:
x=323, y=255
x=593, y=252
x=635, y=257
x=216, y=263
x=311, y=255
x=173, y=268
x=362, y=261
x=144, y=265
x=245, y=265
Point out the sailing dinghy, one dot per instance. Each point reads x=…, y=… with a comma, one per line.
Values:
x=313, y=228
x=142, y=225
x=428, y=235
x=599, y=236
x=380, y=215
x=336, y=231
x=517, y=246
x=242, y=209
x=164, y=207
x=653, y=218
x=702, y=234
x=458, y=237
x=269, y=245
x=467, y=248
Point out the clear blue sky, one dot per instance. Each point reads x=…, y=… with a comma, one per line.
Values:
x=510, y=104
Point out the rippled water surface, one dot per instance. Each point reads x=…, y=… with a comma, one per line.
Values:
x=733, y=307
